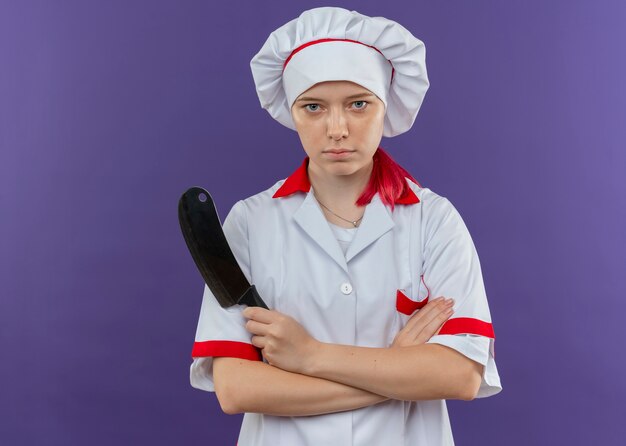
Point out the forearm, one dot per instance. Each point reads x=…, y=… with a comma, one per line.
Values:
x=254, y=386
x=420, y=372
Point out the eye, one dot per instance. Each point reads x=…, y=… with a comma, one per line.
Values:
x=314, y=107
x=360, y=105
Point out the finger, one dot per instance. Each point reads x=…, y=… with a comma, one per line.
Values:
x=416, y=331
x=260, y=314
x=426, y=313
x=439, y=329
x=422, y=311
x=434, y=326
x=258, y=341
x=257, y=328
x=436, y=311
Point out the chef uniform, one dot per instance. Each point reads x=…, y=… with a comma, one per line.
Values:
x=356, y=287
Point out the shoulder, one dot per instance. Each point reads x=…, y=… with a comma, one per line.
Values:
x=430, y=200
x=437, y=214
x=264, y=198
x=263, y=201
x=259, y=204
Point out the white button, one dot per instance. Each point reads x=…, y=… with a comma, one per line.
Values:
x=346, y=288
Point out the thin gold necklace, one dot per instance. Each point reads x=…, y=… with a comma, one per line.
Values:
x=355, y=222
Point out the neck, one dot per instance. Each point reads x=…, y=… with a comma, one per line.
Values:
x=340, y=192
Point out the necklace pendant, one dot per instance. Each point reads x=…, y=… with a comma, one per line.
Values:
x=354, y=223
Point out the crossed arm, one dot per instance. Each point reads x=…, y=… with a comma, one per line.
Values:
x=307, y=377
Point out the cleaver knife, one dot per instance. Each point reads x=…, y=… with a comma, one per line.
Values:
x=211, y=253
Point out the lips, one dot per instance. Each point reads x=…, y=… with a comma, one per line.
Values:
x=338, y=151
x=337, y=154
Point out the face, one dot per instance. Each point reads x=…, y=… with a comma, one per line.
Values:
x=340, y=125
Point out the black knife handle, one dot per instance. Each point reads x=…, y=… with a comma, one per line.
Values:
x=251, y=298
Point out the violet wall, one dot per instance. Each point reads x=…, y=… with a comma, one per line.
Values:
x=110, y=110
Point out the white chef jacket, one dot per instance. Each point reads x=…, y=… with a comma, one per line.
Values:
x=397, y=260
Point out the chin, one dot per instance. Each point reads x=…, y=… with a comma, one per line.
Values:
x=342, y=168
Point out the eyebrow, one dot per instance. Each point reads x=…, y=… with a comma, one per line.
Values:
x=354, y=96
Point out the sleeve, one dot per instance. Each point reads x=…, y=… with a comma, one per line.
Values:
x=452, y=269
x=221, y=331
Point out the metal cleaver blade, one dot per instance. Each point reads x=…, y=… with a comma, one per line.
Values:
x=211, y=253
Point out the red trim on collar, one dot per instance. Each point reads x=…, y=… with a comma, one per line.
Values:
x=299, y=182
x=408, y=197
x=296, y=182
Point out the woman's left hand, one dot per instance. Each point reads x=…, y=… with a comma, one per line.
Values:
x=285, y=343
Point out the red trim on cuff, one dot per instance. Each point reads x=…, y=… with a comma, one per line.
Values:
x=467, y=325
x=233, y=349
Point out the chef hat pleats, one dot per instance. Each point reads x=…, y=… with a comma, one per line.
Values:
x=329, y=43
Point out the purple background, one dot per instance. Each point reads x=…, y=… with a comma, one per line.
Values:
x=110, y=110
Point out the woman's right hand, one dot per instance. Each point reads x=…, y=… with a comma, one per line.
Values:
x=425, y=323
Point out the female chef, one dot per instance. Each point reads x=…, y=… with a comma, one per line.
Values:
x=349, y=253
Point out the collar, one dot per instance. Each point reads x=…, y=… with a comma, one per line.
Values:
x=298, y=181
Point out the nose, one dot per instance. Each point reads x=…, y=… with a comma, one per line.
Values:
x=337, y=126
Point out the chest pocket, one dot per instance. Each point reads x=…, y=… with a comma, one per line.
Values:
x=408, y=303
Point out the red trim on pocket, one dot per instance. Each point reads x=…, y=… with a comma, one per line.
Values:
x=233, y=349
x=467, y=325
x=406, y=305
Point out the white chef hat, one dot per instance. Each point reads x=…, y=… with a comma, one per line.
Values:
x=329, y=43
